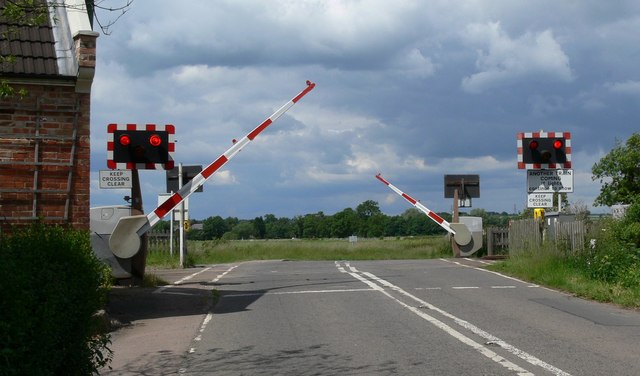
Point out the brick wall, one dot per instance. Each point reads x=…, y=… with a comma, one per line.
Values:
x=44, y=169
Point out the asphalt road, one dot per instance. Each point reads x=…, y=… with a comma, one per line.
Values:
x=417, y=317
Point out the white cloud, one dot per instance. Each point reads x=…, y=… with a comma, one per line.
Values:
x=627, y=87
x=485, y=163
x=415, y=65
x=222, y=177
x=504, y=61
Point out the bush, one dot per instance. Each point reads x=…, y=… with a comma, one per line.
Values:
x=52, y=286
x=616, y=256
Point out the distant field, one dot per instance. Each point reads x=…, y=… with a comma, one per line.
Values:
x=220, y=251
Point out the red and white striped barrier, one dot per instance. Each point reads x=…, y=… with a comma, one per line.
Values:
x=436, y=218
x=125, y=239
x=461, y=233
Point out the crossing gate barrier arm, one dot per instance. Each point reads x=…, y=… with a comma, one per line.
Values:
x=460, y=232
x=125, y=239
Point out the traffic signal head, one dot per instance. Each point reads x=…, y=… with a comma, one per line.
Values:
x=544, y=150
x=133, y=146
x=140, y=146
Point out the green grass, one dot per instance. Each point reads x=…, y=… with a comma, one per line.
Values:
x=152, y=280
x=218, y=251
x=555, y=270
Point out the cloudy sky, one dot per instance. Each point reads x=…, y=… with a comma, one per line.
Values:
x=414, y=90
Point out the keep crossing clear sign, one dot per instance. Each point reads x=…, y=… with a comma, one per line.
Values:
x=115, y=179
x=550, y=181
x=540, y=200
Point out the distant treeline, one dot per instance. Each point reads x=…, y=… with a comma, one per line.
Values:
x=365, y=221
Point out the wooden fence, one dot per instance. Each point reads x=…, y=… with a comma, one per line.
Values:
x=497, y=241
x=160, y=240
x=570, y=236
x=528, y=234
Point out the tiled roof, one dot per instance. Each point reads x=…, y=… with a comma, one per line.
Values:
x=33, y=48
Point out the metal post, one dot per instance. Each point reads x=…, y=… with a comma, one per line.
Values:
x=455, y=219
x=171, y=232
x=181, y=228
x=139, y=260
x=559, y=202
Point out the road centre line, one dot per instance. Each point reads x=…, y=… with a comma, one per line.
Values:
x=467, y=287
x=465, y=324
x=209, y=315
x=216, y=279
x=162, y=288
x=239, y=295
x=492, y=272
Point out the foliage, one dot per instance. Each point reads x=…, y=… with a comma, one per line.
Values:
x=615, y=258
x=608, y=269
x=366, y=221
x=52, y=288
x=554, y=269
x=619, y=173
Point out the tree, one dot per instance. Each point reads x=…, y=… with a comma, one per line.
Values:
x=260, y=227
x=244, y=230
x=619, y=173
x=344, y=223
x=214, y=227
x=367, y=209
x=315, y=226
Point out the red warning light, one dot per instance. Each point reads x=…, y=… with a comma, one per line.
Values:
x=125, y=140
x=533, y=145
x=155, y=140
x=557, y=144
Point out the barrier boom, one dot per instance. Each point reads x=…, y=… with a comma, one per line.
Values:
x=125, y=239
x=460, y=232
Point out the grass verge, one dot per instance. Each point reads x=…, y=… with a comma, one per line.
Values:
x=553, y=269
x=220, y=251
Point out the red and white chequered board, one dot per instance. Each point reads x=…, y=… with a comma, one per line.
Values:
x=541, y=134
x=111, y=164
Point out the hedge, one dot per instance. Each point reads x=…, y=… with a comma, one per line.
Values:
x=51, y=287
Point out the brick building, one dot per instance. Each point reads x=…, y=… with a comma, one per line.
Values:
x=44, y=133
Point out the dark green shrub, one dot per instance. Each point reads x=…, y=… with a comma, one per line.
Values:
x=51, y=286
